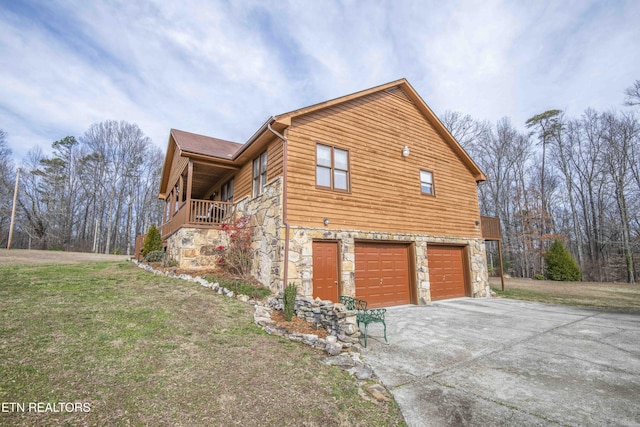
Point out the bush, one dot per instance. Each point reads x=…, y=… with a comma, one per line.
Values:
x=155, y=256
x=560, y=264
x=289, y=301
x=538, y=276
x=152, y=241
x=237, y=258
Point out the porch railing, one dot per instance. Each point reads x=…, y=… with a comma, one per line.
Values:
x=205, y=212
x=201, y=213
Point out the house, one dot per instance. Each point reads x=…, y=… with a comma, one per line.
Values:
x=366, y=195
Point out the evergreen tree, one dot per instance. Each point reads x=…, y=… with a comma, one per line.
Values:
x=560, y=263
x=153, y=241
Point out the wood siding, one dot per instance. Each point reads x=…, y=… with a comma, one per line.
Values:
x=177, y=167
x=385, y=187
x=244, y=177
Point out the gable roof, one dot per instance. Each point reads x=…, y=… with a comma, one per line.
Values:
x=422, y=106
x=200, y=146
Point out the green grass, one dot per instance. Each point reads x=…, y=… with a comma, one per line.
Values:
x=240, y=287
x=608, y=297
x=150, y=350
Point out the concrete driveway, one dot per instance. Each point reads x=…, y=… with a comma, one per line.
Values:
x=488, y=362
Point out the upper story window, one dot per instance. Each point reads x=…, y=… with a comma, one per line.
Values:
x=332, y=168
x=259, y=174
x=426, y=182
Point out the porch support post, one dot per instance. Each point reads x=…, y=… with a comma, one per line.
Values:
x=500, y=258
x=189, y=185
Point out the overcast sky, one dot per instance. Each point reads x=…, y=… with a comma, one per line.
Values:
x=221, y=68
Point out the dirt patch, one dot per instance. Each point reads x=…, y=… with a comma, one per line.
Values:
x=298, y=325
x=26, y=256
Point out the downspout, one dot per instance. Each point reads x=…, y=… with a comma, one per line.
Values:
x=284, y=201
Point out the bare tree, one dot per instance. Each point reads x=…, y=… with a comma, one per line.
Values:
x=7, y=181
x=633, y=94
x=619, y=134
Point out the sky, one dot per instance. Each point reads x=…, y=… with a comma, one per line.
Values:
x=221, y=68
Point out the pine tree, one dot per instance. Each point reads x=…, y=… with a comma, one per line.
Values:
x=153, y=241
x=560, y=263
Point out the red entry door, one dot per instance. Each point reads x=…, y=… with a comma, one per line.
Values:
x=325, y=270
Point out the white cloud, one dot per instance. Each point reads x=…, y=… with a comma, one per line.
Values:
x=221, y=68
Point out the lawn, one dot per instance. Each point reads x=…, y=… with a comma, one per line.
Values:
x=125, y=347
x=598, y=295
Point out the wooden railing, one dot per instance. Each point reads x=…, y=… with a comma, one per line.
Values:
x=490, y=227
x=202, y=213
x=205, y=212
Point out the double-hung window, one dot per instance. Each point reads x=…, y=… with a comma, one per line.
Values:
x=259, y=174
x=426, y=182
x=332, y=168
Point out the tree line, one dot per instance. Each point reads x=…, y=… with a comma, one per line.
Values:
x=576, y=179
x=94, y=193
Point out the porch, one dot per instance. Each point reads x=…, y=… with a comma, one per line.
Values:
x=197, y=213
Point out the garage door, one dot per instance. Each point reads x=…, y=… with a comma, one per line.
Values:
x=446, y=272
x=382, y=274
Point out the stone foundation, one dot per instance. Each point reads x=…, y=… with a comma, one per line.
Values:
x=301, y=258
x=195, y=247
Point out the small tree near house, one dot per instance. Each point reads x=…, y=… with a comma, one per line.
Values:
x=237, y=257
x=152, y=241
x=560, y=264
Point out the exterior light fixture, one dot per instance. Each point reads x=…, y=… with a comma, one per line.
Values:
x=326, y=221
x=406, y=151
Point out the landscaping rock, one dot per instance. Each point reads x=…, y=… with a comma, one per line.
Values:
x=333, y=348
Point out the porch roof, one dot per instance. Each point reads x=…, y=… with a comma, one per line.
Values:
x=202, y=145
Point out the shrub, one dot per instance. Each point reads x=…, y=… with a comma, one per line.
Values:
x=538, y=276
x=237, y=257
x=152, y=241
x=560, y=264
x=155, y=256
x=289, y=301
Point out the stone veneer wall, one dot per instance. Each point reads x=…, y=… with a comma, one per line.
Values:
x=301, y=258
x=266, y=229
x=195, y=247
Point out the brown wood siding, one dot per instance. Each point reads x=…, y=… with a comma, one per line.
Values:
x=244, y=177
x=177, y=167
x=385, y=187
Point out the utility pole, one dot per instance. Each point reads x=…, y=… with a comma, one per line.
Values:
x=13, y=209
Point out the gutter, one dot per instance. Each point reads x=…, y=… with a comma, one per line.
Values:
x=284, y=199
x=266, y=125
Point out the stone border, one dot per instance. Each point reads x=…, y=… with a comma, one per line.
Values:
x=344, y=333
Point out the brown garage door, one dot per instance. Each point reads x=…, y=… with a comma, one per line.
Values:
x=382, y=274
x=446, y=272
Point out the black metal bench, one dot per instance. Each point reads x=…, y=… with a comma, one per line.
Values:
x=365, y=315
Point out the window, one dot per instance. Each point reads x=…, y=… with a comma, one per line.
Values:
x=226, y=193
x=332, y=168
x=426, y=182
x=259, y=174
